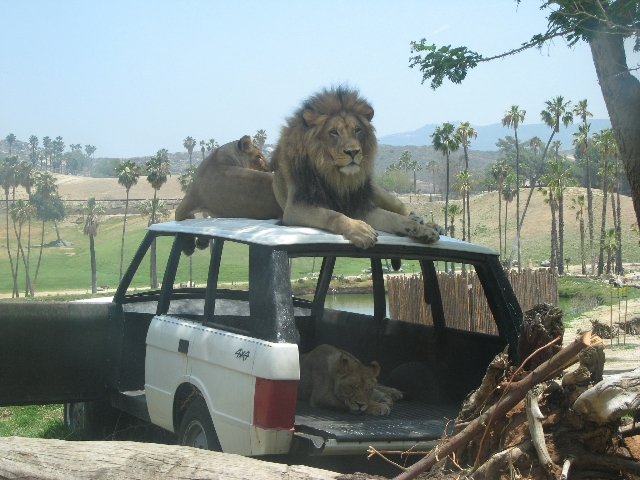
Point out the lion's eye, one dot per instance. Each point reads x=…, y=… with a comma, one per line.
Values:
x=358, y=130
x=333, y=132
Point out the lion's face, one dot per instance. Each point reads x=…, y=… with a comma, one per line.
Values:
x=355, y=382
x=250, y=156
x=341, y=135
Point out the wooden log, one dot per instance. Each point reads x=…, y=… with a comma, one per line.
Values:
x=515, y=394
x=612, y=398
x=59, y=460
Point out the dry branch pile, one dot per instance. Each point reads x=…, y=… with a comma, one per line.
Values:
x=541, y=421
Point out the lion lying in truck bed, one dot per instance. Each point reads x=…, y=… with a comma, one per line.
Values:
x=335, y=379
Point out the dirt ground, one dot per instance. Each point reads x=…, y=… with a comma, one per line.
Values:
x=622, y=354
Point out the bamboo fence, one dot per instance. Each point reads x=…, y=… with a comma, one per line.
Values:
x=465, y=305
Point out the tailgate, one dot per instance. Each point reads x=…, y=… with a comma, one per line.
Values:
x=55, y=352
x=410, y=424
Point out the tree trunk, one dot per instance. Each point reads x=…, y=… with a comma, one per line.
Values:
x=621, y=92
x=35, y=278
x=13, y=272
x=590, y=214
x=553, y=259
x=561, y=234
x=619, y=269
x=515, y=131
x=94, y=274
x=582, y=255
x=55, y=224
x=500, y=220
x=604, y=217
x=124, y=226
x=61, y=460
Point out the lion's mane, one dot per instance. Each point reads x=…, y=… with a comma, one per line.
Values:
x=303, y=152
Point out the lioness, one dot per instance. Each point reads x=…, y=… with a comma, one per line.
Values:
x=229, y=182
x=323, y=167
x=234, y=181
x=333, y=378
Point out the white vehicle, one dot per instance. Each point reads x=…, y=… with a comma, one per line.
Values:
x=220, y=367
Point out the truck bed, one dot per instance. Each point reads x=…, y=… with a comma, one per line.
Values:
x=408, y=424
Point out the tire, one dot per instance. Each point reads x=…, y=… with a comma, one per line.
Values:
x=89, y=420
x=196, y=428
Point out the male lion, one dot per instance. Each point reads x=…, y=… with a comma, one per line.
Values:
x=234, y=181
x=333, y=378
x=323, y=167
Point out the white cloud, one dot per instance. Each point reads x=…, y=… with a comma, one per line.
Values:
x=442, y=28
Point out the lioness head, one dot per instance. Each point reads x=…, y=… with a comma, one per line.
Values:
x=241, y=154
x=354, y=382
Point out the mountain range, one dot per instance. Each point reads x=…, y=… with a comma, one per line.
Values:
x=488, y=135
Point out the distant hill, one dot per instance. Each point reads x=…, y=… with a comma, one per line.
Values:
x=488, y=135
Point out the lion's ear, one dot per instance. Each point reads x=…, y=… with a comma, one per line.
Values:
x=375, y=368
x=343, y=363
x=367, y=113
x=245, y=144
x=313, y=118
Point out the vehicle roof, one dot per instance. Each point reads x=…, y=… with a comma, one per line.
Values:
x=270, y=233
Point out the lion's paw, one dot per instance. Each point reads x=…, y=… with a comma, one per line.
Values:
x=416, y=218
x=361, y=234
x=421, y=232
x=395, y=394
x=438, y=228
x=378, y=409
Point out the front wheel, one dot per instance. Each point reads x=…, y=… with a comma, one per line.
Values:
x=196, y=429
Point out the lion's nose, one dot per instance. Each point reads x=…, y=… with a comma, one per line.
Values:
x=352, y=153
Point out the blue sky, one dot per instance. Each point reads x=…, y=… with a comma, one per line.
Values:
x=131, y=77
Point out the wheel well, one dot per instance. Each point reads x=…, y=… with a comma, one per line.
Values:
x=186, y=393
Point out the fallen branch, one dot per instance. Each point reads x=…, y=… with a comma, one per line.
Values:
x=516, y=393
x=500, y=461
x=535, y=417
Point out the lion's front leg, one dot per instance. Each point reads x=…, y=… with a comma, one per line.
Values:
x=402, y=225
x=358, y=232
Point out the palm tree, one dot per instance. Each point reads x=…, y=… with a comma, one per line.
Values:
x=185, y=180
x=416, y=167
x=508, y=194
x=582, y=137
x=33, y=143
x=203, y=146
x=454, y=211
x=10, y=139
x=90, y=150
x=463, y=185
x=6, y=180
x=189, y=143
x=619, y=213
x=49, y=208
x=578, y=206
x=158, y=169
x=610, y=245
x=432, y=166
x=405, y=160
x=212, y=145
x=46, y=145
x=558, y=178
x=128, y=173
x=512, y=118
x=92, y=213
x=582, y=142
x=26, y=179
x=466, y=133
x=557, y=112
x=22, y=212
x=259, y=139
x=606, y=145
x=499, y=171
x=447, y=141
